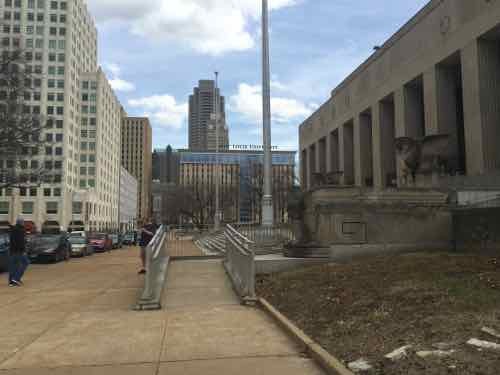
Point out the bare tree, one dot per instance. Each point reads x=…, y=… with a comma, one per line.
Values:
x=283, y=185
x=20, y=124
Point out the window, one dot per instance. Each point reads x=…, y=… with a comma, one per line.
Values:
x=83, y=171
x=47, y=192
x=34, y=164
x=59, y=137
x=83, y=184
x=27, y=208
x=48, y=165
x=91, y=183
x=4, y=208
x=33, y=192
x=51, y=83
x=53, y=5
x=52, y=57
x=51, y=208
x=58, y=164
x=48, y=150
x=52, y=44
x=83, y=158
x=57, y=192
x=39, y=43
x=59, y=151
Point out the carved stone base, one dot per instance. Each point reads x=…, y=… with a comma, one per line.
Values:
x=305, y=251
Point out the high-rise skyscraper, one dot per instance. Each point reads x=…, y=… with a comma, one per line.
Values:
x=201, y=116
x=137, y=159
x=81, y=155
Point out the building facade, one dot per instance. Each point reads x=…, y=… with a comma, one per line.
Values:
x=201, y=114
x=405, y=151
x=137, y=159
x=438, y=74
x=128, y=201
x=240, y=175
x=166, y=166
x=59, y=41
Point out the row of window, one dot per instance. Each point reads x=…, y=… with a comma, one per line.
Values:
x=33, y=43
x=31, y=30
x=40, y=4
x=27, y=208
x=38, y=56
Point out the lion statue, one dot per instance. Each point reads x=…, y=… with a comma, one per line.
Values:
x=422, y=156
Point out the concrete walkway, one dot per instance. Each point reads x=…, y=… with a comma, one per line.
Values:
x=75, y=318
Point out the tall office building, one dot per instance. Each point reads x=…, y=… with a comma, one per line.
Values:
x=59, y=42
x=201, y=115
x=137, y=159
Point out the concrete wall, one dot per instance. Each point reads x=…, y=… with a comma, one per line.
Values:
x=350, y=216
x=409, y=87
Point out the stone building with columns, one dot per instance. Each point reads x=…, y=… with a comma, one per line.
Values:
x=438, y=75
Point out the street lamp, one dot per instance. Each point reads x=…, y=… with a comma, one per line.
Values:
x=267, y=199
x=217, y=219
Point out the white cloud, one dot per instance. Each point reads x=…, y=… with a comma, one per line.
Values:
x=117, y=83
x=248, y=103
x=208, y=26
x=163, y=110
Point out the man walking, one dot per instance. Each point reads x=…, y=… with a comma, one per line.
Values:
x=147, y=233
x=18, y=261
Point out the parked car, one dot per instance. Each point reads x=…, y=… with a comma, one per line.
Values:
x=116, y=242
x=80, y=246
x=100, y=242
x=129, y=239
x=4, y=252
x=78, y=234
x=51, y=247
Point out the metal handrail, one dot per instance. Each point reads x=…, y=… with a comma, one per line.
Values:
x=240, y=263
x=155, y=268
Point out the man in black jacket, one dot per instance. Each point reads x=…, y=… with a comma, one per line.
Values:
x=18, y=261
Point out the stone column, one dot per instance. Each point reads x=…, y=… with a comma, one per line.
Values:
x=481, y=90
x=431, y=101
x=341, y=153
x=329, y=150
x=378, y=180
x=400, y=113
x=358, y=165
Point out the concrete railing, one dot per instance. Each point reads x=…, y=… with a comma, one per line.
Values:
x=240, y=264
x=267, y=238
x=156, y=269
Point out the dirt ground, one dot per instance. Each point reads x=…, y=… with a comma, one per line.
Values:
x=368, y=308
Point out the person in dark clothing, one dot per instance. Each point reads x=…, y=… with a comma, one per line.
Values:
x=18, y=261
x=147, y=233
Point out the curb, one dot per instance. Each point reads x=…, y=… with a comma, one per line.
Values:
x=329, y=363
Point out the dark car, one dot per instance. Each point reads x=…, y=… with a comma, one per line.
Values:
x=51, y=247
x=129, y=239
x=100, y=242
x=116, y=241
x=4, y=252
x=80, y=246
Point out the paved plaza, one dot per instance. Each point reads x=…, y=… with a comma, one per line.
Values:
x=76, y=318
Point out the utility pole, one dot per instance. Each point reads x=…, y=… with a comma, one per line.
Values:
x=267, y=199
x=217, y=218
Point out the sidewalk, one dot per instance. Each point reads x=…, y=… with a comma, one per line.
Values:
x=75, y=318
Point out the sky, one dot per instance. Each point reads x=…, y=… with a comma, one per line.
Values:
x=155, y=51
